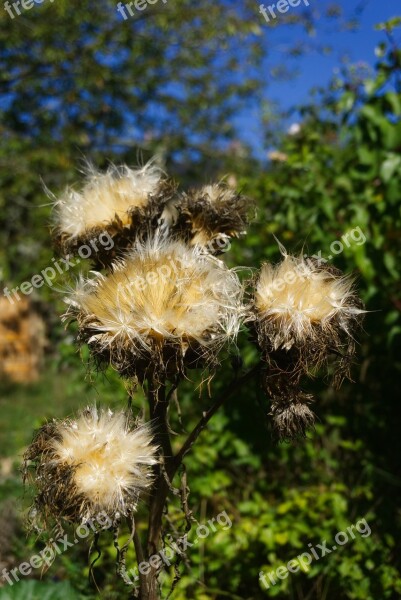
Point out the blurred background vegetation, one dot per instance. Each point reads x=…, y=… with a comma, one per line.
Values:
x=77, y=81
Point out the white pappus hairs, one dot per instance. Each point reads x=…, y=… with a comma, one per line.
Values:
x=299, y=299
x=161, y=294
x=98, y=461
x=105, y=198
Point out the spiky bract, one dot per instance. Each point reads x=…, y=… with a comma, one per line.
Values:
x=163, y=307
x=215, y=213
x=97, y=462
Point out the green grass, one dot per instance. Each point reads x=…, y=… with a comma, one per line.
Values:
x=35, y=590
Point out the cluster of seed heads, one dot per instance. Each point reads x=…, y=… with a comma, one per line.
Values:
x=161, y=299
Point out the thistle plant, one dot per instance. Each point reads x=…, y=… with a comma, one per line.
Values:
x=160, y=304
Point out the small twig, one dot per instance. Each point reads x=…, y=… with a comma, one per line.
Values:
x=137, y=543
x=229, y=391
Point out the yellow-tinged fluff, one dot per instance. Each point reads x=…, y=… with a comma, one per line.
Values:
x=300, y=299
x=104, y=198
x=162, y=291
x=103, y=461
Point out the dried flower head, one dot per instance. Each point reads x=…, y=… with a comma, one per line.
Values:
x=277, y=156
x=304, y=313
x=290, y=405
x=98, y=462
x=310, y=307
x=163, y=307
x=292, y=418
x=214, y=212
x=121, y=201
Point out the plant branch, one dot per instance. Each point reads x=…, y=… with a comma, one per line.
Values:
x=235, y=384
x=164, y=474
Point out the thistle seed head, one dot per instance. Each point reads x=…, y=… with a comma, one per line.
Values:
x=303, y=313
x=97, y=462
x=214, y=212
x=163, y=305
x=306, y=307
x=121, y=201
x=291, y=420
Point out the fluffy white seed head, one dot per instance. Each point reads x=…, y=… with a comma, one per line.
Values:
x=100, y=457
x=162, y=293
x=305, y=312
x=105, y=198
x=300, y=299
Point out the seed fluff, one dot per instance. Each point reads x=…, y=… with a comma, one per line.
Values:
x=115, y=200
x=163, y=302
x=96, y=462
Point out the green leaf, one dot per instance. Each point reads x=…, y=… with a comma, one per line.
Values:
x=389, y=166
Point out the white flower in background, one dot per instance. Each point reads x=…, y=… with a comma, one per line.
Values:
x=294, y=129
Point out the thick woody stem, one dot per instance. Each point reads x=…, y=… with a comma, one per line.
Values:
x=158, y=404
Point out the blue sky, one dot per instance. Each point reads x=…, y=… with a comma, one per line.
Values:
x=317, y=68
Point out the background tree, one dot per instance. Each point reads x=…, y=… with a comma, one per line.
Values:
x=78, y=81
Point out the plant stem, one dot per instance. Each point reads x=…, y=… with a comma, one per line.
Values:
x=165, y=471
x=158, y=404
x=193, y=436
